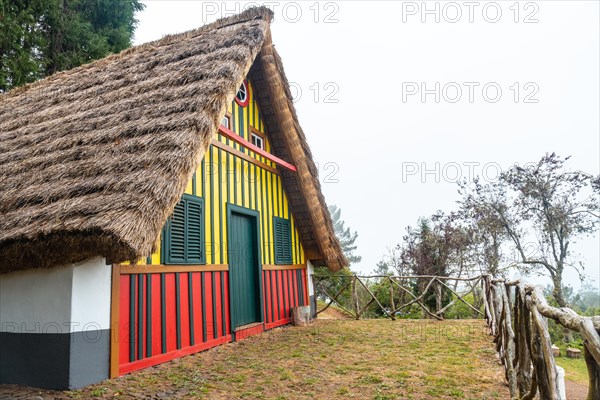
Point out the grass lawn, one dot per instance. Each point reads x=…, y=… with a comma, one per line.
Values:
x=575, y=368
x=334, y=359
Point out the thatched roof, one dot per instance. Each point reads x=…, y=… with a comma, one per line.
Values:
x=93, y=160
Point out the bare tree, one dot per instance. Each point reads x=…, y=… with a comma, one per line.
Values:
x=486, y=238
x=392, y=263
x=542, y=200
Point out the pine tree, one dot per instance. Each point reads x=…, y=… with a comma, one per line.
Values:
x=344, y=235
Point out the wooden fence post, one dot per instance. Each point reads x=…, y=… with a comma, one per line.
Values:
x=508, y=340
x=438, y=298
x=486, y=306
x=522, y=340
x=355, y=298
x=544, y=360
x=594, y=374
x=392, y=303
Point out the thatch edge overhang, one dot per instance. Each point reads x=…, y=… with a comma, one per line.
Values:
x=268, y=70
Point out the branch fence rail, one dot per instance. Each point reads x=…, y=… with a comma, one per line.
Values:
x=515, y=313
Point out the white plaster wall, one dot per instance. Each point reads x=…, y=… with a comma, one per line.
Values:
x=36, y=301
x=90, y=299
x=57, y=300
x=310, y=270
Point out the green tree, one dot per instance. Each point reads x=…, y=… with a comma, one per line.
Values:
x=22, y=37
x=344, y=235
x=41, y=37
x=80, y=31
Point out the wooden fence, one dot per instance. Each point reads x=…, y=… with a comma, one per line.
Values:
x=401, y=293
x=514, y=312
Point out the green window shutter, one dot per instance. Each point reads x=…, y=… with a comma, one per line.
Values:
x=194, y=233
x=277, y=238
x=283, y=241
x=184, y=233
x=175, y=250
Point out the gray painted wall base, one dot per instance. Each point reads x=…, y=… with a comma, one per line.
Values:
x=54, y=360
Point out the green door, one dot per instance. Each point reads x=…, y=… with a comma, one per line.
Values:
x=244, y=270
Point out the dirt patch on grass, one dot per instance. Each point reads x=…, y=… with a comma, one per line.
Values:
x=333, y=313
x=333, y=359
x=576, y=390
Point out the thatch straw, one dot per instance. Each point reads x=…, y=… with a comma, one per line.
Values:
x=93, y=160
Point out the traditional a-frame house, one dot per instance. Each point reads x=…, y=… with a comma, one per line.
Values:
x=185, y=153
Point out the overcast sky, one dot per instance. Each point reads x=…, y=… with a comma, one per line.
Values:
x=512, y=83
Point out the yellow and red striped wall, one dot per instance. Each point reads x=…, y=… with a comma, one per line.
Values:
x=165, y=311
